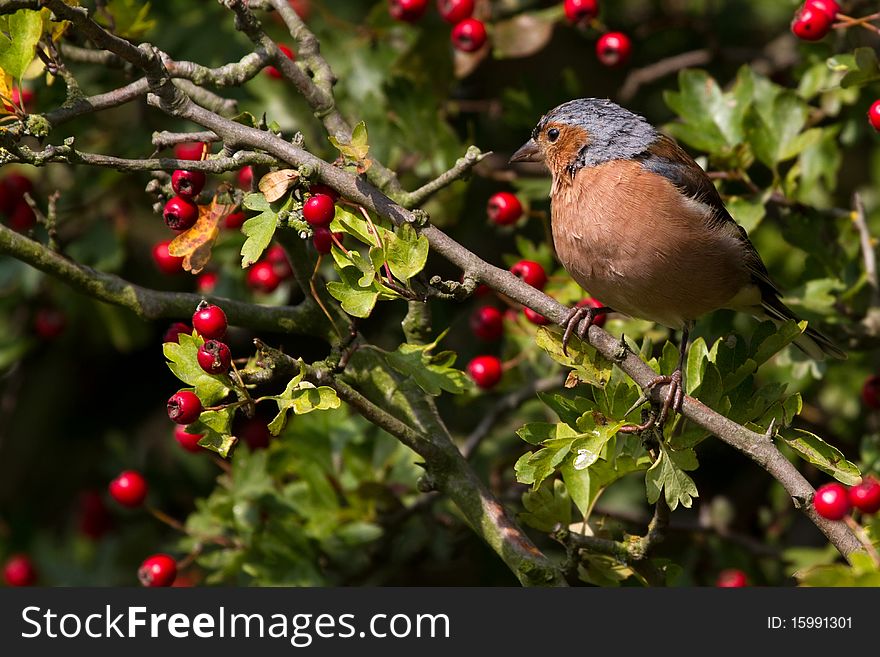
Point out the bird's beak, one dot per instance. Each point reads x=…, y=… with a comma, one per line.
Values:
x=528, y=152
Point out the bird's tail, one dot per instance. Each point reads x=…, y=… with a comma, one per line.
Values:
x=813, y=343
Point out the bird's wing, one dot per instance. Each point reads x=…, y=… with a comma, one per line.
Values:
x=666, y=158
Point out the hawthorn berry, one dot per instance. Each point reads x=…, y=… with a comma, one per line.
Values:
x=180, y=213
x=252, y=430
x=261, y=277
x=580, y=11
x=504, y=209
x=592, y=302
x=184, y=407
x=732, y=578
x=210, y=321
x=455, y=11
x=276, y=255
x=206, y=282
x=828, y=7
x=487, y=323
x=535, y=317
x=19, y=571
x=871, y=392
x=530, y=272
x=13, y=187
x=214, y=357
x=245, y=178
x=811, y=23
x=190, y=150
x=174, y=331
x=49, y=323
x=18, y=98
x=166, y=263
x=319, y=188
x=129, y=489
x=469, y=35
x=866, y=496
x=613, y=49
x=832, y=501
x=188, y=183
x=188, y=441
x=273, y=72
x=235, y=220
x=408, y=11
x=323, y=239
x=319, y=210
x=158, y=570
x=485, y=371
x=22, y=218
x=874, y=115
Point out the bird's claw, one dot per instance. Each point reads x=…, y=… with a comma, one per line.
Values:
x=673, y=401
x=579, y=320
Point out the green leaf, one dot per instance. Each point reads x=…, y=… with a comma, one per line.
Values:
x=255, y=201
x=569, y=410
x=746, y=213
x=130, y=18
x=826, y=457
x=354, y=153
x=217, y=442
x=588, y=364
x=259, y=230
x=547, y=507
x=406, y=252
x=773, y=127
x=867, y=69
x=354, y=225
x=19, y=34
x=431, y=374
x=301, y=397
x=219, y=421
x=668, y=475
x=783, y=335
x=356, y=299
x=183, y=363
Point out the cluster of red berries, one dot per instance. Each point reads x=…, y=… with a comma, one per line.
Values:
x=834, y=501
x=468, y=34
x=318, y=211
x=813, y=20
x=612, y=48
x=13, y=206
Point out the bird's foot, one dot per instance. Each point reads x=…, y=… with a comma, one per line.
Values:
x=672, y=402
x=578, y=321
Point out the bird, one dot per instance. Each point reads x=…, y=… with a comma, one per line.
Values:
x=637, y=222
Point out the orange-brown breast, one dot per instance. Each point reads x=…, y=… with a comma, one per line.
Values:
x=632, y=240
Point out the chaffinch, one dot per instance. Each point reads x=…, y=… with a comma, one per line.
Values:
x=640, y=225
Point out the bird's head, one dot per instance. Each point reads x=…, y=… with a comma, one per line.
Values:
x=586, y=132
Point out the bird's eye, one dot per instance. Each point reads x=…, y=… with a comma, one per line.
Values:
x=553, y=134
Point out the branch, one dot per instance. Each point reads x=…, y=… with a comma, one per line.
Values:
x=164, y=139
x=304, y=319
x=869, y=256
x=647, y=74
x=464, y=164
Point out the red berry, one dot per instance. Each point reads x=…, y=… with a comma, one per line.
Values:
x=530, y=272
x=613, y=49
x=189, y=441
x=407, y=10
x=866, y=496
x=319, y=188
x=214, y=357
x=832, y=501
x=180, y=213
x=469, y=35
x=184, y=407
x=319, y=210
x=12, y=190
x=485, y=371
x=731, y=579
x=158, y=570
x=188, y=183
x=19, y=571
x=874, y=115
x=811, y=23
x=190, y=150
x=210, y=321
x=535, y=317
x=94, y=518
x=504, y=209
x=278, y=257
x=174, y=331
x=167, y=263
x=19, y=97
x=455, y=11
x=828, y=7
x=245, y=178
x=235, y=220
x=581, y=11
x=261, y=277
x=253, y=431
x=49, y=323
x=871, y=392
x=487, y=323
x=323, y=239
x=273, y=72
x=206, y=282
x=129, y=489
x=22, y=217
x=592, y=302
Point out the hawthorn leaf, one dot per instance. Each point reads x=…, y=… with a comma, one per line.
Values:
x=19, y=34
x=827, y=458
x=668, y=475
x=182, y=361
x=259, y=231
x=433, y=374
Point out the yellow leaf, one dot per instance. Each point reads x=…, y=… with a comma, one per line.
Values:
x=5, y=92
x=194, y=245
x=274, y=185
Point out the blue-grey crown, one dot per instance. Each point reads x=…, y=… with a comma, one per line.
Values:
x=615, y=133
